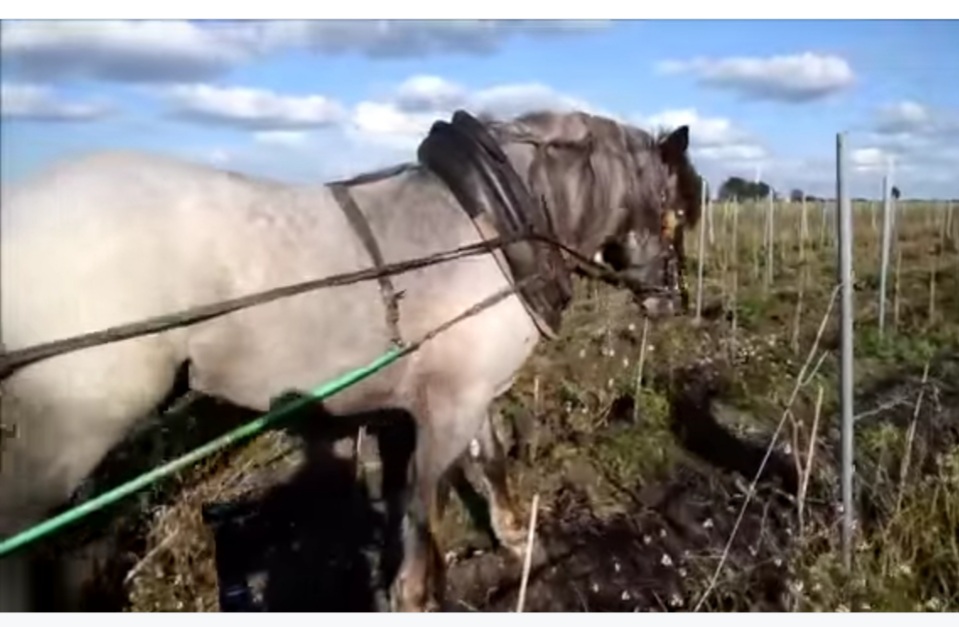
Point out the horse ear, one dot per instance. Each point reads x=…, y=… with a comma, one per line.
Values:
x=674, y=145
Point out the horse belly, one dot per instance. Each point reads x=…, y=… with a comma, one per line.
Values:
x=294, y=345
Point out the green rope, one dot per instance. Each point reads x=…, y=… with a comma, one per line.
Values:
x=250, y=429
x=228, y=439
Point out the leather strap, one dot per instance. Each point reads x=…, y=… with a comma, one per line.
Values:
x=486, y=229
x=362, y=228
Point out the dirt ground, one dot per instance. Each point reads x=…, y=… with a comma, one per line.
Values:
x=637, y=504
x=644, y=486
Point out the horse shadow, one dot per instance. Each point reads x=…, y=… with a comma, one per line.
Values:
x=325, y=540
x=328, y=539
x=316, y=541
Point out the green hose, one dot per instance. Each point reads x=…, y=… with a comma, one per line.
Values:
x=252, y=428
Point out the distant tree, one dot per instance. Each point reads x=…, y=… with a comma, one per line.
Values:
x=738, y=187
x=730, y=187
x=895, y=192
x=796, y=195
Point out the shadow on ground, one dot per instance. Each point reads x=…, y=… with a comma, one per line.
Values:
x=299, y=548
x=315, y=542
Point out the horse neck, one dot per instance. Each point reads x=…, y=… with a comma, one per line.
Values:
x=582, y=221
x=563, y=219
x=585, y=219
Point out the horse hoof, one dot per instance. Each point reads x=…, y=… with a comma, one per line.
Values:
x=515, y=540
x=406, y=598
x=509, y=532
x=515, y=543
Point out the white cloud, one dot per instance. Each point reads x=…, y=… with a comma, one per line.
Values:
x=515, y=99
x=788, y=78
x=738, y=154
x=870, y=159
x=927, y=172
x=705, y=131
x=145, y=51
x=219, y=157
x=134, y=51
x=905, y=116
x=424, y=92
x=919, y=139
x=244, y=107
x=379, y=132
x=386, y=123
x=403, y=118
x=397, y=123
x=322, y=156
x=413, y=38
x=713, y=139
x=39, y=103
x=286, y=139
x=912, y=119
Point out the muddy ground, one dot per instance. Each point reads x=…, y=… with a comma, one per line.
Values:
x=641, y=487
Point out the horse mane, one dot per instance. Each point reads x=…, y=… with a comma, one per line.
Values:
x=595, y=158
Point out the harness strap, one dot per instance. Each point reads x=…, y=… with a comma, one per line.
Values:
x=488, y=231
x=471, y=164
x=362, y=229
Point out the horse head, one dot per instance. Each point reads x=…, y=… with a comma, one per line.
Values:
x=614, y=193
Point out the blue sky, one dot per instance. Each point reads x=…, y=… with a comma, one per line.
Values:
x=307, y=101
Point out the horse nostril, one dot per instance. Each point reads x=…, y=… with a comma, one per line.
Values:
x=614, y=255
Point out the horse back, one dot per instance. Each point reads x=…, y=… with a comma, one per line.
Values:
x=116, y=237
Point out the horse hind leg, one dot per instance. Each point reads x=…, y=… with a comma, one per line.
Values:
x=67, y=414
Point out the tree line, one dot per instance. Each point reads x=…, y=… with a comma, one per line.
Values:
x=741, y=189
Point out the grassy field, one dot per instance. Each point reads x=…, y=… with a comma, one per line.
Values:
x=643, y=443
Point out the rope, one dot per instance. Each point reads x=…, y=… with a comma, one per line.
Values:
x=17, y=359
x=243, y=432
x=14, y=360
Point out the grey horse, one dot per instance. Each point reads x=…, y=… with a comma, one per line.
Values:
x=116, y=237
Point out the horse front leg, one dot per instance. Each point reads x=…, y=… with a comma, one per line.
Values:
x=446, y=421
x=418, y=586
x=505, y=517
